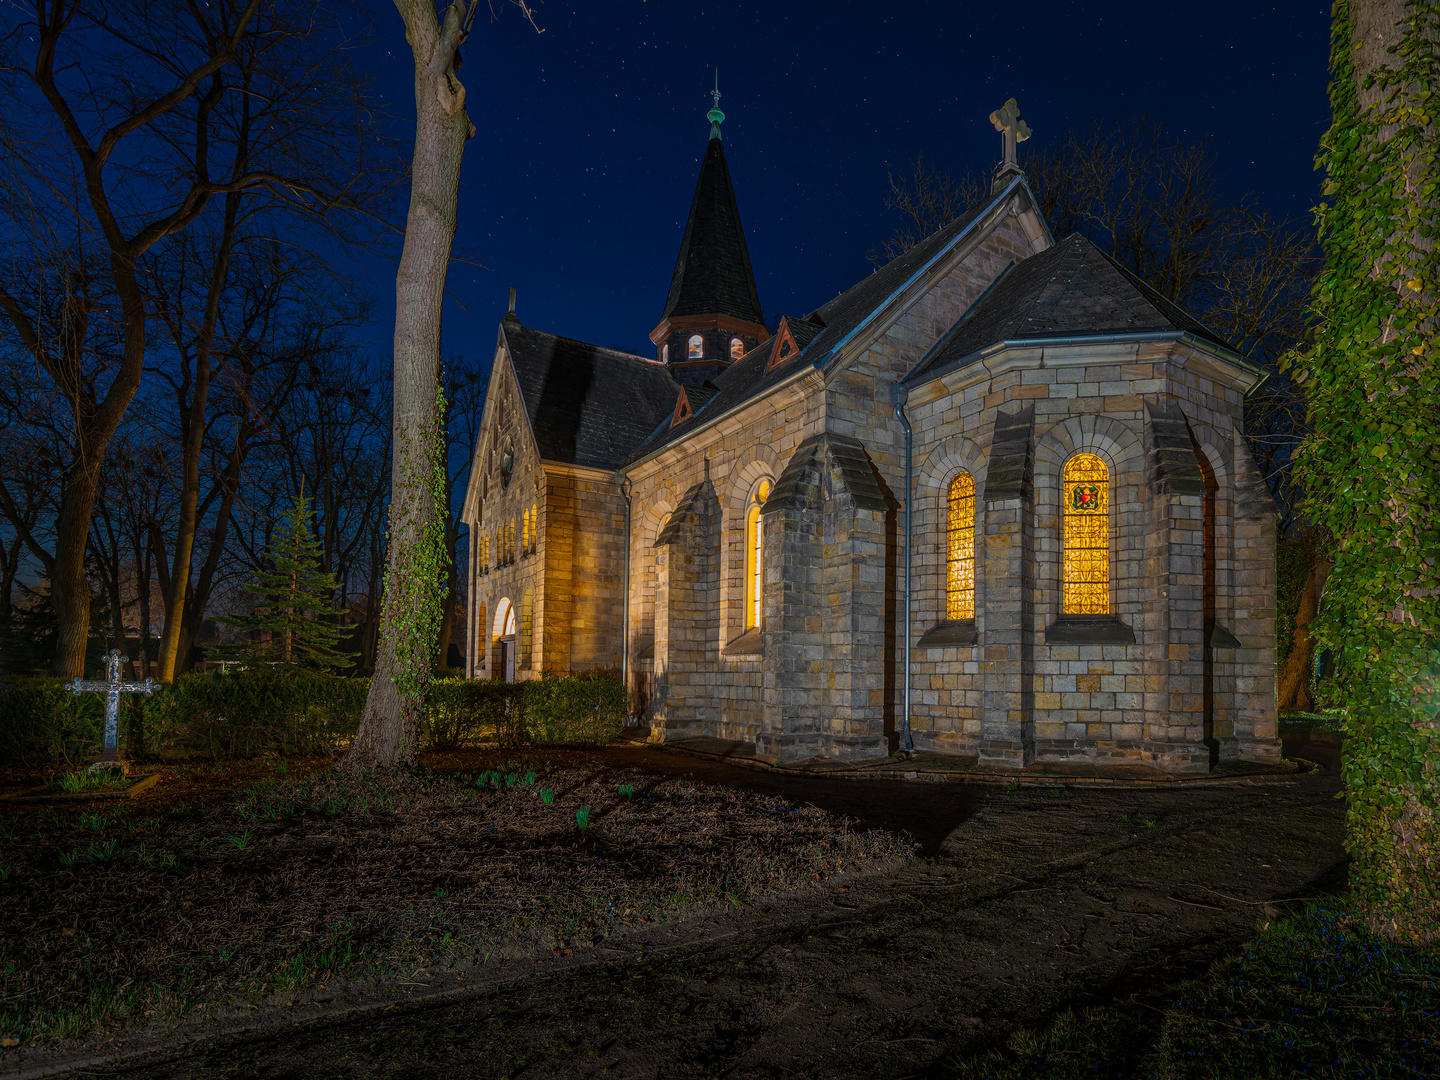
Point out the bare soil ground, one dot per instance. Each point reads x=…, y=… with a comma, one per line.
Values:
x=1023, y=902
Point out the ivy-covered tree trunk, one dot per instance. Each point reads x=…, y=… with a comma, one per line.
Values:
x=410, y=616
x=1372, y=467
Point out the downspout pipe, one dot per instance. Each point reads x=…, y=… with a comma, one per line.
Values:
x=623, y=483
x=898, y=395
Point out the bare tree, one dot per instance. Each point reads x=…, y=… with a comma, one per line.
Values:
x=125, y=124
x=408, y=630
x=925, y=201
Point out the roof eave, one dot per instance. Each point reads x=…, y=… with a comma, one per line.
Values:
x=1184, y=337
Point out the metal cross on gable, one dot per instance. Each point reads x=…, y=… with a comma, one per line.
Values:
x=112, y=688
x=1007, y=119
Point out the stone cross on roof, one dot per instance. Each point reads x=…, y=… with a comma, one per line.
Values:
x=1007, y=119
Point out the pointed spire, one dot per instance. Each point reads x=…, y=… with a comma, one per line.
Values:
x=712, y=274
x=715, y=116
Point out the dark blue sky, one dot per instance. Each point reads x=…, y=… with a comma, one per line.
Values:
x=589, y=136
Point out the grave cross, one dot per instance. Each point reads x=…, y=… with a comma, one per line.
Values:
x=1007, y=119
x=112, y=688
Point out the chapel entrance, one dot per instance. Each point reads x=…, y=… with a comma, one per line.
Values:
x=504, y=632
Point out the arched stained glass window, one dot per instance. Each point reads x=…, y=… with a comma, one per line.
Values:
x=960, y=548
x=697, y=347
x=755, y=556
x=737, y=348
x=1085, y=564
x=534, y=526
x=665, y=352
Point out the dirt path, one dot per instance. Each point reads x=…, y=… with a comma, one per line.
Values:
x=1029, y=900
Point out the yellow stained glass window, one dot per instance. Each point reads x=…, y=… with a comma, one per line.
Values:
x=755, y=556
x=534, y=526
x=960, y=548
x=1085, y=563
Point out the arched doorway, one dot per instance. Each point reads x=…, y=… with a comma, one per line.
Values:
x=504, y=634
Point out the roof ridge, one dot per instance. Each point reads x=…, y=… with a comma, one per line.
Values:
x=592, y=345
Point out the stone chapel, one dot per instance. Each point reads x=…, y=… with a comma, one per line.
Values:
x=994, y=500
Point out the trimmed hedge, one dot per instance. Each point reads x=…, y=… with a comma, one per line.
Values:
x=255, y=712
x=570, y=710
x=43, y=723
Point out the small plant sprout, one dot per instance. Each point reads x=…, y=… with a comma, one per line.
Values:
x=582, y=817
x=530, y=777
x=510, y=780
x=627, y=791
x=440, y=894
x=240, y=842
x=547, y=796
x=5, y=872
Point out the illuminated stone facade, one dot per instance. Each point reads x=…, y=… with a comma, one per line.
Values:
x=1042, y=384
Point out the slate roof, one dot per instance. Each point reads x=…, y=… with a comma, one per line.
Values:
x=712, y=274
x=817, y=333
x=1071, y=288
x=587, y=405
x=742, y=380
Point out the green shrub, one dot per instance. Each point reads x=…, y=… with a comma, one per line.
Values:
x=255, y=712
x=584, y=710
x=42, y=723
x=461, y=711
x=570, y=710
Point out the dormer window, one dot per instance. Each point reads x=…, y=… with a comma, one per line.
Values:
x=737, y=348
x=665, y=353
x=697, y=347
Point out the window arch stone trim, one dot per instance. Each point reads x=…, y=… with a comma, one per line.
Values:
x=1121, y=449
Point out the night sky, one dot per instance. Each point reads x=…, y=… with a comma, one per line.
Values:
x=589, y=136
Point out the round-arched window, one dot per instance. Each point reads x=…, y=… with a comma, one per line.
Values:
x=755, y=556
x=697, y=347
x=737, y=348
x=960, y=548
x=665, y=353
x=1085, y=561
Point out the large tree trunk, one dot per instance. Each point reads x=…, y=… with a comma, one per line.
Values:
x=1371, y=381
x=69, y=591
x=392, y=709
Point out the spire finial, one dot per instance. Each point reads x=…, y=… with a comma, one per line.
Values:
x=715, y=116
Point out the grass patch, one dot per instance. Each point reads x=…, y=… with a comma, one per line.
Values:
x=1313, y=996
x=75, y=783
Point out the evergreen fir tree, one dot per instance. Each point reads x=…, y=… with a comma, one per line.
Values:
x=292, y=602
